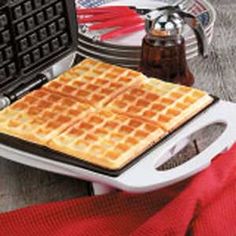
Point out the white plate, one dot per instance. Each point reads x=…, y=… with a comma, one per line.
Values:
x=135, y=39
x=141, y=3
x=105, y=50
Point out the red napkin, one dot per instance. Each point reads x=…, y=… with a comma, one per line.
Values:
x=204, y=205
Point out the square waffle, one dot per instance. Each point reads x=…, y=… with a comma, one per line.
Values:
x=102, y=114
x=107, y=139
x=164, y=104
x=41, y=115
x=94, y=82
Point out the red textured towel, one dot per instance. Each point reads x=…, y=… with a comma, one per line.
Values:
x=204, y=205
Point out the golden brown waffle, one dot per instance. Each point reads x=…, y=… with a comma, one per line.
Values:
x=103, y=114
x=94, y=82
x=107, y=139
x=164, y=104
x=41, y=115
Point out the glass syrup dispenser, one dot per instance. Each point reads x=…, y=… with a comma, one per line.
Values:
x=163, y=49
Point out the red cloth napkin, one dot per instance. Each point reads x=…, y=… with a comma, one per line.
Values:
x=204, y=205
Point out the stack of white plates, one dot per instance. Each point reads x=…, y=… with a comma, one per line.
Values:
x=126, y=51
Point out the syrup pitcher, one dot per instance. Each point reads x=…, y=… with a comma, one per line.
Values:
x=163, y=49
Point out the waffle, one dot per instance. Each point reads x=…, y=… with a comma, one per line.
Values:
x=164, y=104
x=107, y=139
x=95, y=83
x=41, y=115
x=102, y=114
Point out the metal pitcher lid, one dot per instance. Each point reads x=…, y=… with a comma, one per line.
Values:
x=165, y=23
x=170, y=21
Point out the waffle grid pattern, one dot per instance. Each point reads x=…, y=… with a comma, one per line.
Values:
x=111, y=138
x=41, y=30
x=41, y=115
x=102, y=114
x=163, y=104
x=95, y=82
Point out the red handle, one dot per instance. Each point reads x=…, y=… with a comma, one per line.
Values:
x=105, y=17
x=124, y=21
x=122, y=31
x=100, y=10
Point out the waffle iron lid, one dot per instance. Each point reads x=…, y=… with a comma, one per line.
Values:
x=34, y=34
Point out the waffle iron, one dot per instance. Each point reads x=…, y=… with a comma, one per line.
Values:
x=53, y=24
x=34, y=35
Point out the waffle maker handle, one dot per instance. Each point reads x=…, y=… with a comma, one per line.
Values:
x=144, y=177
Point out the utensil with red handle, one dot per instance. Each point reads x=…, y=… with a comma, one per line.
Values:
x=122, y=19
x=120, y=32
x=102, y=10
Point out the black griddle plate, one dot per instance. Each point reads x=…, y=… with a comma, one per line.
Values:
x=45, y=152
x=34, y=35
